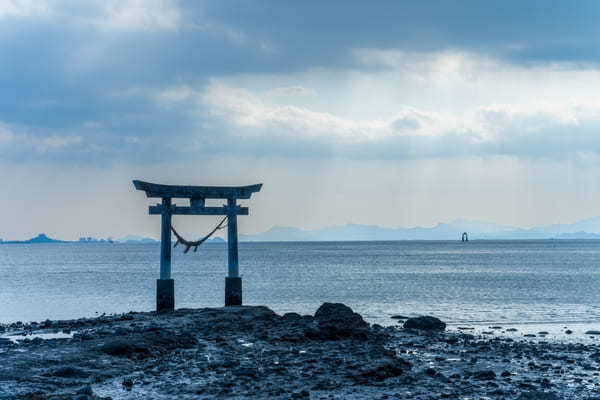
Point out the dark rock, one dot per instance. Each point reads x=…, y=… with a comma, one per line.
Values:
x=69, y=372
x=537, y=396
x=380, y=370
x=484, y=375
x=121, y=347
x=336, y=320
x=430, y=372
x=127, y=382
x=398, y=317
x=291, y=317
x=592, y=332
x=121, y=331
x=426, y=323
x=568, y=331
x=84, y=336
x=86, y=390
x=37, y=340
x=249, y=372
x=505, y=374
x=301, y=394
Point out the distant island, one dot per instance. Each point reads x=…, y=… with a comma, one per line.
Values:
x=41, y=238
x=129, y=239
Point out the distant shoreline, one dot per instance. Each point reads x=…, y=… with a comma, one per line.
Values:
x=311, y=241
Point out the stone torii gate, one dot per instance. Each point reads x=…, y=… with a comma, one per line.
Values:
x=165, y=286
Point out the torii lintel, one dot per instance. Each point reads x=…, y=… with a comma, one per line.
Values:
x=196, y=192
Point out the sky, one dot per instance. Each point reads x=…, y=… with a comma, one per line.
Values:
x=385, y=113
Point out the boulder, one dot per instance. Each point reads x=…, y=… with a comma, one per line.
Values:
x=246, y=372
x=70, y=372
x=380, y=370
x=336, y=320
x=537, y=396
x=118, y=348
x=426, y=323
x=485, y=375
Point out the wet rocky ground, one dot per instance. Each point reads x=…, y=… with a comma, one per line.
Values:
x=251, y=352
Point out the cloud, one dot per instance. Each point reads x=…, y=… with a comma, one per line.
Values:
x=109, y=15
x=11, y=142
x=292, y=91
x=132, y=15
x=152, y=69
x=175, y=95
x=554, y=130
x=23, y=8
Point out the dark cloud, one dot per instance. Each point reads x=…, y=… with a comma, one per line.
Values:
x=66, y=77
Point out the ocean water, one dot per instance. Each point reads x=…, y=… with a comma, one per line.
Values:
x=479, y=282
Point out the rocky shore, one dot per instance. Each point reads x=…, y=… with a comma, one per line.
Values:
x=251, y=352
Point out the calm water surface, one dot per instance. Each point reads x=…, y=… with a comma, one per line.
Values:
x=479, y=282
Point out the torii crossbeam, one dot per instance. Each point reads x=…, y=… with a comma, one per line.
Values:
x=165, y=286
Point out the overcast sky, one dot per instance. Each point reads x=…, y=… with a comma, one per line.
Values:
x=387, y=113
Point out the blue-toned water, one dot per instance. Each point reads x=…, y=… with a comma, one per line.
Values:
x=476, y=282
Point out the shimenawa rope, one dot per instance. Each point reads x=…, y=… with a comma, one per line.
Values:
x=189, y=244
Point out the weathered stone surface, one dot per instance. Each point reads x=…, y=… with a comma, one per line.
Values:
x=537, y=396
x=484, y=375
x=118, y=348
x=250, y=352
x=425, y=323
x=69, y=372
x=380, y=370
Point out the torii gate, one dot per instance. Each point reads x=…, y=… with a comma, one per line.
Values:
x=165, y=286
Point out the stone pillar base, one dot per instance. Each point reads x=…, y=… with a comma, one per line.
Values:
x=233, y=291
x=165, y=295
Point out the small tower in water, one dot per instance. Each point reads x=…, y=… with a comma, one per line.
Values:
x=465, y=237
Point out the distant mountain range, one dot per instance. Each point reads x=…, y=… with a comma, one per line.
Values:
x=585, y=229
x=135, y=239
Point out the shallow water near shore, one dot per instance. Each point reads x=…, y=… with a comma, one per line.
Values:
x=551, y=283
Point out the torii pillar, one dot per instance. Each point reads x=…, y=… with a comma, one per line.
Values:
x=165, y=285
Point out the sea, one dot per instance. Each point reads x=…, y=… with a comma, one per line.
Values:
x=550, y=285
